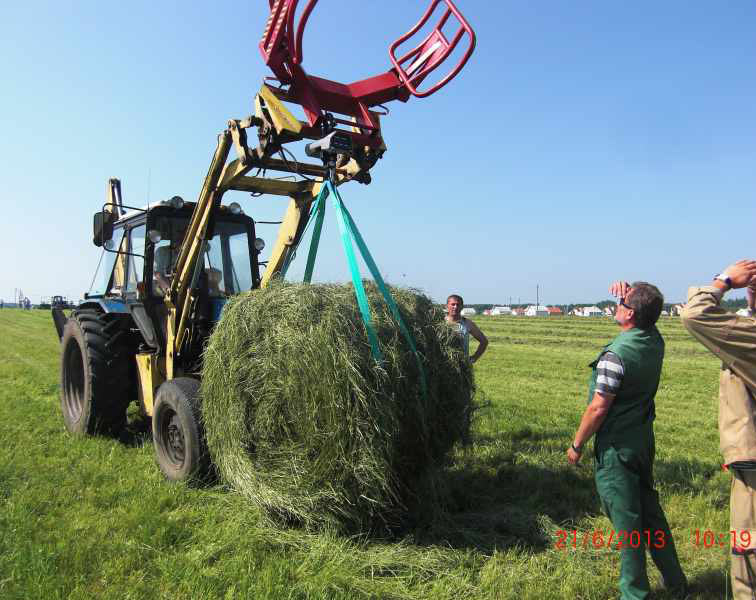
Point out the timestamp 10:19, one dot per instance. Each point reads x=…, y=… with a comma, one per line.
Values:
x=709, y=539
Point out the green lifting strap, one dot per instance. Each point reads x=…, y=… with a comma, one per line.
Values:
x=293, y=254
x=349, y=232
x=319, y=210
x=359, y=288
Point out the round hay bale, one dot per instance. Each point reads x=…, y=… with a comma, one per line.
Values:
x=302, y=420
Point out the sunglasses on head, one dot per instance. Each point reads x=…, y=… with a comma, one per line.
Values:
x=622, y=303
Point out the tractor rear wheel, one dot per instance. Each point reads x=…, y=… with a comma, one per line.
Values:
x=94, y=375
x=177, y=431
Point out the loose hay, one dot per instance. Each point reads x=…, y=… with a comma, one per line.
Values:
x=301, y=420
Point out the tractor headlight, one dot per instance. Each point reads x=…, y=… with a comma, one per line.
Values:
x=154, y=235
x=259, y=244
x=235, y=208
x=177, y=202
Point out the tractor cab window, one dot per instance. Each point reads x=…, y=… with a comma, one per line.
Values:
x=241, y=270
x=135, y=271
x=214, y=268
x=227, y=260
x=106, y=267
x=165, y=254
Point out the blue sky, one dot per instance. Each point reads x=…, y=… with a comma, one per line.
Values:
x=583, y=142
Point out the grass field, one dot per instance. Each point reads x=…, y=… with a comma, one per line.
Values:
x=93, y=518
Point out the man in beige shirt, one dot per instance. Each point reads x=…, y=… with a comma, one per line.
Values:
x=732, y=339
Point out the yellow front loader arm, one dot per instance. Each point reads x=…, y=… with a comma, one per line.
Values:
x=276, y=126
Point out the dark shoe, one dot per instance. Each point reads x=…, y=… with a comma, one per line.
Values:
x=679, y=590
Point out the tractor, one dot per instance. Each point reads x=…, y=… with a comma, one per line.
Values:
x=60, y=302
x=167, y=269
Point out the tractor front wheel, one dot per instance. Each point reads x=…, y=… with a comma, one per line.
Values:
x=177, y=431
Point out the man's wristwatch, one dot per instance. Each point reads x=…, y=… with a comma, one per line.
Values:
x=724, y=279
x=577, y=449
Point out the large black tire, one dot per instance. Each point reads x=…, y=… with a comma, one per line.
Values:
x=178, y=433
x=94, y=374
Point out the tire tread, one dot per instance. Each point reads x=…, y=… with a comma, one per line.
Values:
x=109, y=377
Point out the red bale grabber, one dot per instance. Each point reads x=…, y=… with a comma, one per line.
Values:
x=432, y=51
x=281, y=48
x=341, y=125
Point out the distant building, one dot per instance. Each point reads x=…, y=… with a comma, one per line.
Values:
x=554, y=311
x=487, y=312
x=501, y=310
x=518, y=312
x=664, y=313
x=589, y=311
x=468, y=312
x=677, y=310
x=536, y=311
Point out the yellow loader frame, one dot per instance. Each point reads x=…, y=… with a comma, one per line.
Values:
x=276, y=126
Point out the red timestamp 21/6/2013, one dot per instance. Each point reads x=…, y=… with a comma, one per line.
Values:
x=611, y=539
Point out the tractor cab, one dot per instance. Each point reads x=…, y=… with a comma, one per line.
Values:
x=137, y=278
x=140, y=256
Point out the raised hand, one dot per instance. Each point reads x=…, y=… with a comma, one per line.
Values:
x=619, y=289
x=741, y=273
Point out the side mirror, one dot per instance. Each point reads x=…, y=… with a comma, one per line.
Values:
x=103, y=227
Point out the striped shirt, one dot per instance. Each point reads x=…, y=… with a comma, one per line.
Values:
x=609, y=373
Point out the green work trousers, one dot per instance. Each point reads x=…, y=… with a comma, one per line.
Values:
x=625, y=484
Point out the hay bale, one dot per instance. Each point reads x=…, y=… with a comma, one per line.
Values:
x=302, y=421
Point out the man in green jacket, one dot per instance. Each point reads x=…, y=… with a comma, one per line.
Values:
x=621, y=413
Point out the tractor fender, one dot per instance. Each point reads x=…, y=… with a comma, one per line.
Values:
x=106, y=305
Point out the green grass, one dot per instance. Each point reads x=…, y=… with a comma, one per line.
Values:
x=93, y=518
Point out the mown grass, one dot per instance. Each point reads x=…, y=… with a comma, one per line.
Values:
x=93, y=518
